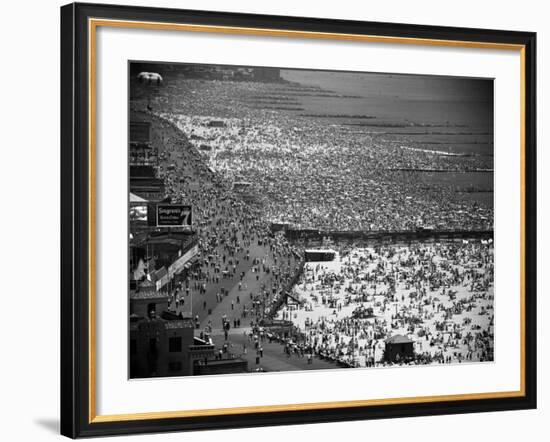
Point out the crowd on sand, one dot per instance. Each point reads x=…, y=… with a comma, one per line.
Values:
x=439, y=297
x=243, y=169
x=313, y=176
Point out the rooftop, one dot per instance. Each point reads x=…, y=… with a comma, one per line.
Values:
x=320, y=251
x=399, y=339
x=180, y=323
x=168, y=325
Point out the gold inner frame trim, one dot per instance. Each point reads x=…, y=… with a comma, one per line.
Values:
x=93, y=24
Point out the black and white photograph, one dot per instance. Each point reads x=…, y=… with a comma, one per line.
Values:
x=273, y=221
x=290, y=219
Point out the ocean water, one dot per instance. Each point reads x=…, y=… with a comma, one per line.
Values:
x=400, y=98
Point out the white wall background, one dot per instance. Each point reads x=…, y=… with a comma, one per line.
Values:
x=29, y=245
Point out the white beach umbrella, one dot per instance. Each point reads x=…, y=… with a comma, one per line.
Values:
x=150, y=78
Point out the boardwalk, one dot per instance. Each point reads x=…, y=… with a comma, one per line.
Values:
x=274, y=357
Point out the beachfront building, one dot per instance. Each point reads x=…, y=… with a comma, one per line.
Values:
x=162, y=258
x=143, y=159
x=320, y=255
x=141, y=151
x=399, y=348
x=161, y=342
x=220, y=366
x=145, y=183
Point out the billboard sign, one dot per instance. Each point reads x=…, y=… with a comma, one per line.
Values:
x=173, y=215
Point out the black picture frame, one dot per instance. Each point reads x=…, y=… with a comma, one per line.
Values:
x=76, y=403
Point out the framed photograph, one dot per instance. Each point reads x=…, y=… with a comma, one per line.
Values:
x=279, y=220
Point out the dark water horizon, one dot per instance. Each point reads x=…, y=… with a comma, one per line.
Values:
x=434, y=99
x=446, y=114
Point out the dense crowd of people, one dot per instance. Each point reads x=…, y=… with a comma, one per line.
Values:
x=232, y=238
x=438, y=296
x=314, y=173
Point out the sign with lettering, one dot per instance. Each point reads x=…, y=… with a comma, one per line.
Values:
x=173, y=215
